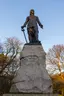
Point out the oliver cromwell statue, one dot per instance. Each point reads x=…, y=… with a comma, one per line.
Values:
x=32, y=27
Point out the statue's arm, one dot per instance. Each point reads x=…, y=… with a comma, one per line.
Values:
x=38, y=21
x=27, y=19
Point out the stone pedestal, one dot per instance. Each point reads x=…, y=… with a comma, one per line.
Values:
x=32, y=76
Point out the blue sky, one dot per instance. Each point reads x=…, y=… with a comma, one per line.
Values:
x=50, y=12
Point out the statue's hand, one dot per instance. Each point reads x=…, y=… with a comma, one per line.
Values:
x=42, y=26
x=22, y=27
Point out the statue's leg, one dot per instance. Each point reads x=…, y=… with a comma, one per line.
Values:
x=36, y=36
x=29, y=37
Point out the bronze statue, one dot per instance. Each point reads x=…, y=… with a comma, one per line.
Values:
x=32, y=27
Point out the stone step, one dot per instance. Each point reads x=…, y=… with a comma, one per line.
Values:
x=30, y=94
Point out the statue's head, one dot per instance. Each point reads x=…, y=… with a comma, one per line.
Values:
x=32, y=12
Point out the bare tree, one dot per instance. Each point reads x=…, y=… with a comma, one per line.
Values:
x=55, y=58
x=9, y=62
x=12, y=48
x=1, y=48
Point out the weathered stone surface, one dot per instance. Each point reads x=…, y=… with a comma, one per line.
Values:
x=32, y=75
x=30, y=94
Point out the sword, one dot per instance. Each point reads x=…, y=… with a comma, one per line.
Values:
x=24, y=35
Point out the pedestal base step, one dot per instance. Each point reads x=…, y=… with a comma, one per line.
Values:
x=36, y=94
